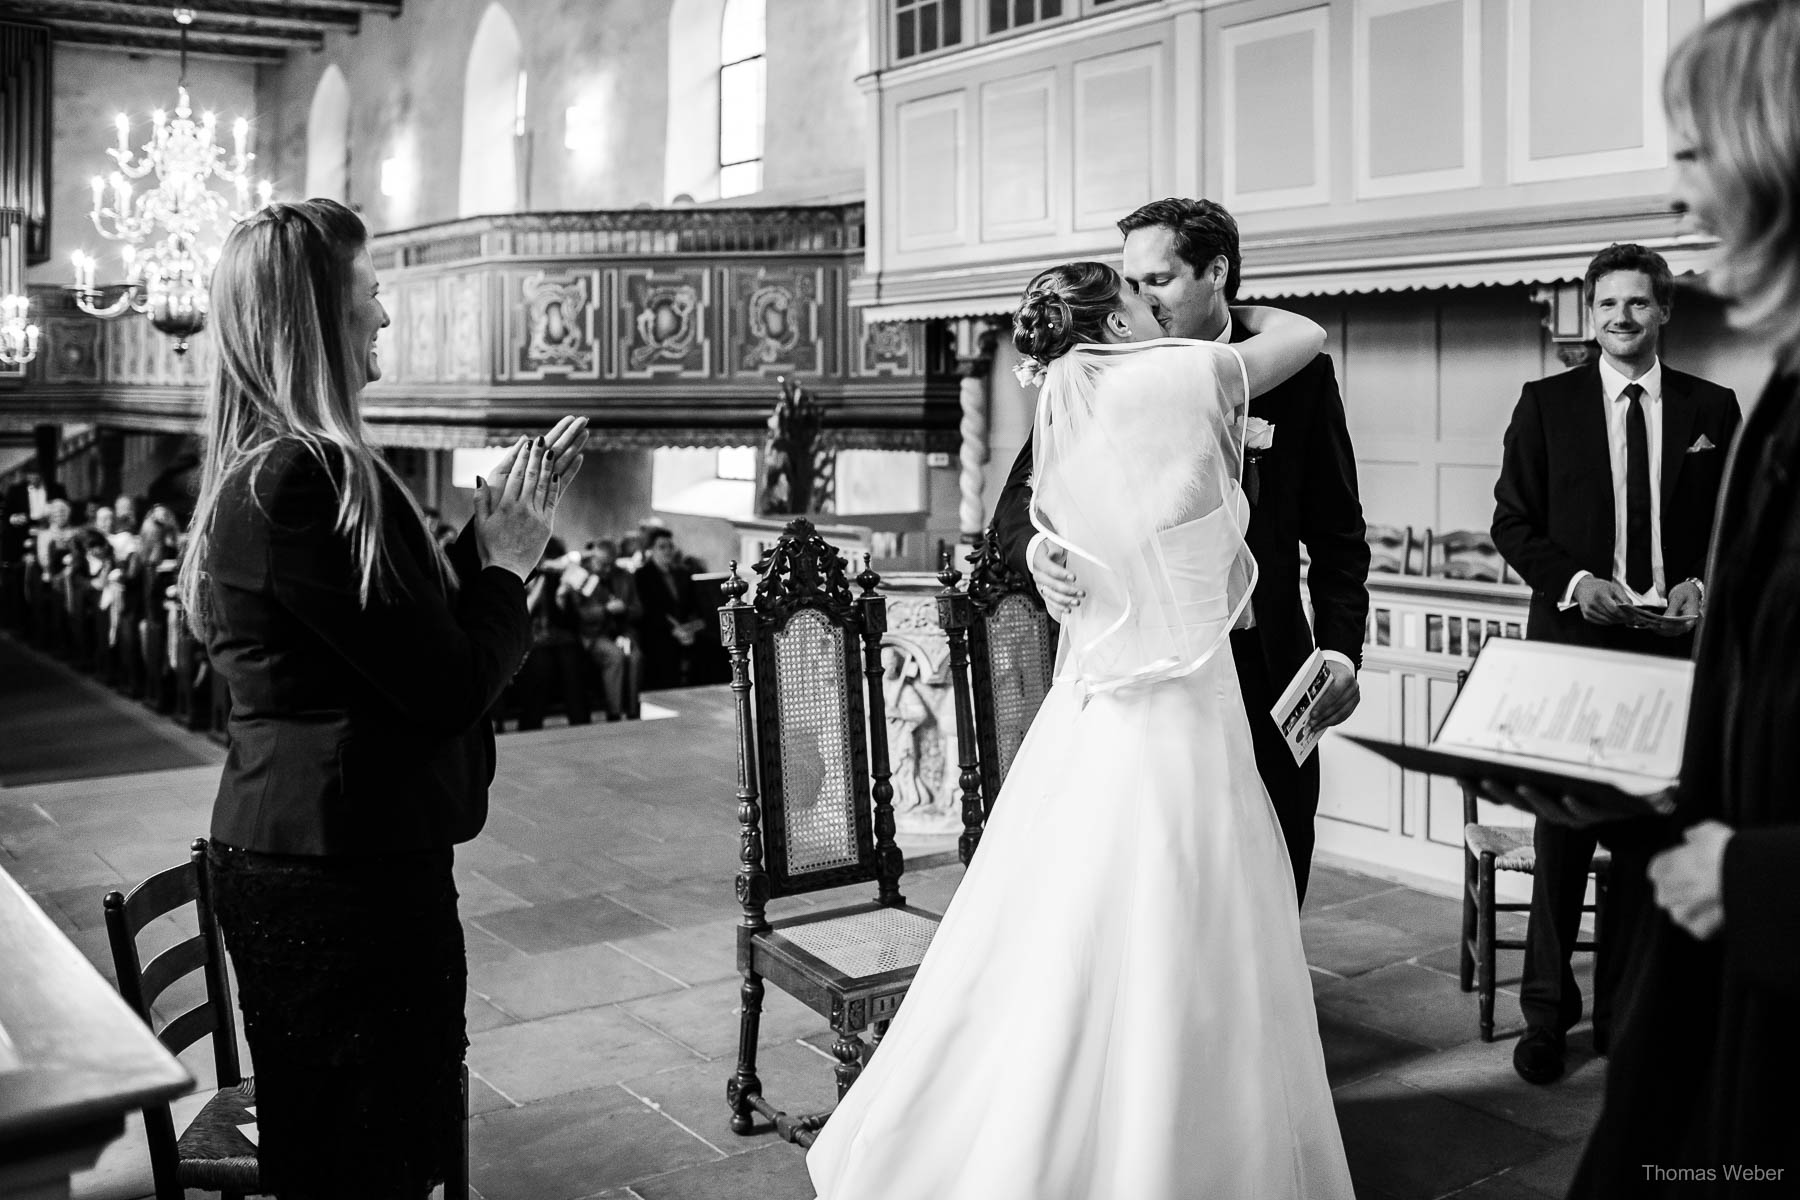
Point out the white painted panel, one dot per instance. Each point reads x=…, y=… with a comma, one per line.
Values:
x=1355, y=785
x=1275, y=126
x=1444, y=798
x=1395, y=493
x=1465, y=497
x=1417, y=96
x=1016, y=123
x=1118, y=124
x=1391, y=370
x=929, y=172
x=1572, y=114
x=879, y=481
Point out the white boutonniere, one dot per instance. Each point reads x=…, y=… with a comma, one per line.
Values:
x=1259, y=435
x=1030, y=372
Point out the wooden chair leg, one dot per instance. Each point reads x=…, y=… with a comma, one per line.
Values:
x=744, y=1085
x=1466, y=960
x=1484, y=950
x=881, y=1028
x=849, y=1052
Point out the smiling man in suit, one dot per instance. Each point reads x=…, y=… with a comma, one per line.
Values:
x=1605, y=506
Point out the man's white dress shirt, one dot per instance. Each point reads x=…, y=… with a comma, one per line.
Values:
x=1613, y=383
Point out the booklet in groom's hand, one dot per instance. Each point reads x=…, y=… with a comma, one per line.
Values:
x=1600, y=725
x=1296, y=702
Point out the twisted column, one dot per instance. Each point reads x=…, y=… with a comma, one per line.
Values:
x=974, y=360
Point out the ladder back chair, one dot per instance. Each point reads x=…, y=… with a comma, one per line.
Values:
x=1002, y=656
x=815, y=808
x=212, y=1153
x=1487, y=850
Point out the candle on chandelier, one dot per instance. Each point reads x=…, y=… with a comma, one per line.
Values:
x=84, y=271
x=159, y=118
x=99, y=193
x=121, y=194
x=123, y=124
x=266, y=191
x=240, y=129
x=128, y=256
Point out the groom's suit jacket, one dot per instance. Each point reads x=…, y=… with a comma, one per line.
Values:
x=1307, y=494
x=1553, y=503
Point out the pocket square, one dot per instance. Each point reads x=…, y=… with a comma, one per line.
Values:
x=1701, y=443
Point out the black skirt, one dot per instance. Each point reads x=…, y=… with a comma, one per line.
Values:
x=351, y=978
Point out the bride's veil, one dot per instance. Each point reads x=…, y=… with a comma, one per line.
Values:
x=1137, y=465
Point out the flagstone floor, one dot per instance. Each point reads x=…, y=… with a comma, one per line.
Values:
x=599, y=911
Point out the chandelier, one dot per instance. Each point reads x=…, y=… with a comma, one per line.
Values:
x=171, y=232
x=18, y=338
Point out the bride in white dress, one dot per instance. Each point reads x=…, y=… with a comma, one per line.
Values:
x=1116, y=1005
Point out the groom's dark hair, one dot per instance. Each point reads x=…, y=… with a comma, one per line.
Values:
x=1203, y=231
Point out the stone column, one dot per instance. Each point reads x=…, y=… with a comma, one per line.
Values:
x=975, y=339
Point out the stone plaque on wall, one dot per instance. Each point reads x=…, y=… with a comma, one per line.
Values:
x=665, y=316
x=550, y=325
x=465, y=358
x=775, y=320
x=71, y=350
x=889, y=347
x=420, y=303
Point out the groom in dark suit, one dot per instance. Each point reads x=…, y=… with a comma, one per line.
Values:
x=1605, y=500
x=1182, y=257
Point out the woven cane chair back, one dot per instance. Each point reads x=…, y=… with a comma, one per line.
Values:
x=1012, y=653
x=811, y=723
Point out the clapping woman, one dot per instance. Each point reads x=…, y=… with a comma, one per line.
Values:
x=362, y=660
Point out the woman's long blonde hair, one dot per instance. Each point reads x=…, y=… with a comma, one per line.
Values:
x=1734, y=85
x=280, y=297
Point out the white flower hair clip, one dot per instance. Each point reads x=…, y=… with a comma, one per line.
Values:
x=1030, y=372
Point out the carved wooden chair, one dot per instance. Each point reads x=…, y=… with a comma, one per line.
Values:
x=212, y=1153
x=1487, y=850
x=1002, y=655
x=810, y=818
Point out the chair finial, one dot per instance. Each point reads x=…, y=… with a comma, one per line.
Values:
x=735, y=587
x=868, y=579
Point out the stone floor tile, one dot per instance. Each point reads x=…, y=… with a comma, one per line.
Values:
x=549, y=879
x=540, y=985
x=1552, y=1172
x=705, y=1017
x=1349, y=946
x=483, y=1098
x=1406, y=1001
x=576, y=1145
x=711, y=857
x=796, y=1078
x=482, y=1016
x=1435, y=919
x=695, y=954
x=560, y=924
x=777, y=1172
x=1354, y=1051
x=682, y=903
x=479, y=896
x=571, y=1052
x=484, y=854
x=1329, y=886
x=1416, y=1145
x=1480, y=1075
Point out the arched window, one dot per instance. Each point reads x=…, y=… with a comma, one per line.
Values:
x=493, y=113
x=328, y=138
x=742, y=78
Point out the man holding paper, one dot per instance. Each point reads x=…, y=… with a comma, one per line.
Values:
x=1604, y=506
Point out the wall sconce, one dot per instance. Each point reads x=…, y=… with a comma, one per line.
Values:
x=581, y=127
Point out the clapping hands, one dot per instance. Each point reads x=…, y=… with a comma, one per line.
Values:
x=564, y=443
x=513, y=521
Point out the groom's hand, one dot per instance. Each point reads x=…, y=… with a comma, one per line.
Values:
x=1056, y=584
x=1340, y=697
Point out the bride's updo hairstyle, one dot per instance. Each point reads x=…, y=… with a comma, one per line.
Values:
x=1064, y=306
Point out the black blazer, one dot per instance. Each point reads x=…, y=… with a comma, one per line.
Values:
x=660, y=605
x=1307, y=493
x=1553, y=504
x=1705, y=1057
x=353, y=730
